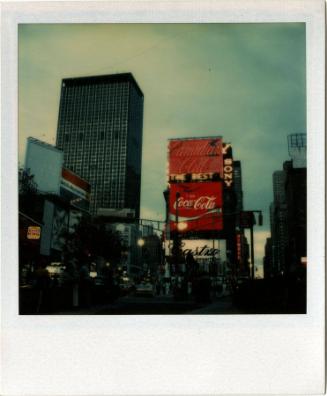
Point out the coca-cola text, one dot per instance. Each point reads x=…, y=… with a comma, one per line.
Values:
x=201, y=203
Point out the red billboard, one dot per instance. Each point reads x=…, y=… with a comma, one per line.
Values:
x=196, y=206
x=197, y=159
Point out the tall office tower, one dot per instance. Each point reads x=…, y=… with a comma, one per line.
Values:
x=100, y=132
x=279, y=231
x=238, y=185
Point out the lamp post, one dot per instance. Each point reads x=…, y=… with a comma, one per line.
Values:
x=248, y=222
x=140, y=244
x=176, y=247
x=166, y=194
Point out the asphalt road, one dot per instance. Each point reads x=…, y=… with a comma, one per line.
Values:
x=160, y=305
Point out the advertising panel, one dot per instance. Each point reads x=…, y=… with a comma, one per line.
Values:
x=75, y=184
x=228, y=167
x=44, y=162
x=239, y=247
x=33, y=232
x=196, y=206
x=195, y=159
x=201, y=249
x=75, y=189
x=59, y=225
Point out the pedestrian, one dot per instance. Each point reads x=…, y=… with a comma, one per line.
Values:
x=158, y=287
x=85, y=285
x=42, y=286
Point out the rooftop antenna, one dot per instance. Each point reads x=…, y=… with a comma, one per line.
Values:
x=297, y=149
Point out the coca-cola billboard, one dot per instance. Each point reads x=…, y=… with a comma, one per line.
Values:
x=197, y=206
x=197, y=159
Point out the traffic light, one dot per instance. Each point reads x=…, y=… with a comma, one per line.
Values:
x=260, y=219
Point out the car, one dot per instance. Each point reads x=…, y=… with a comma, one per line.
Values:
x=144, y=289
x=126, y=286
x=56, y=272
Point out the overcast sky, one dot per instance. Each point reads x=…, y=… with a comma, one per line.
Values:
x=245, y=82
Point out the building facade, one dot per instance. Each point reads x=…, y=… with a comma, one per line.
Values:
x=279, y=229
x=60, y=199
x=288, y=214
x=100, y=132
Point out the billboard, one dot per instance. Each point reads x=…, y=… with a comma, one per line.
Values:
x=44, y=161
x=33, y=232
x=201, y=249
x=75, y=184
x=228, y=166
x=196, y=206
x=197, y=159
x=75, y=189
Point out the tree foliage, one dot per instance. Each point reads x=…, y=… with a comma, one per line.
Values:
x=28, y=192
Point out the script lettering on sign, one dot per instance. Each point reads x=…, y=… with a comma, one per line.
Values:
x=200, y=203
x=195, y=156
x=203, y=249
x=197, y=205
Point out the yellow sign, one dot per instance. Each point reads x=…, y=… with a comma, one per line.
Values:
x=33, y=232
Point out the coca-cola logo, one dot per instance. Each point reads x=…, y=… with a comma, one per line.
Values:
x=201, y=203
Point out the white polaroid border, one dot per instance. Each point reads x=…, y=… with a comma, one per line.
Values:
x=149, y=355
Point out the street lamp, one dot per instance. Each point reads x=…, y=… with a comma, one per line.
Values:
x=182, y=226
x=140, y=242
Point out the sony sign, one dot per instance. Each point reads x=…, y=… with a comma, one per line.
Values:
x=227, y=164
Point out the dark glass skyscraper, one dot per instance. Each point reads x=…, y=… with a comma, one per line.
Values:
x=100, y=132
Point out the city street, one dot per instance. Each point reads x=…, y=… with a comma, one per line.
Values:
x=138, y=305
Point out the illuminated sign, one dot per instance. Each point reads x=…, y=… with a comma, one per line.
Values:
x=196, y=206
x=238, y=247
x=195, y=159
x=201, y=249
x=33, y=232
x=227, y=164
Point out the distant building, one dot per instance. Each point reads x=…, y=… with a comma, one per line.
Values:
x=100, y=132
x=151, y=254
x=296, y=200
x=279, y=221
x=238, y=185
x=131, y=258
x=288, y=216
x=267, y=260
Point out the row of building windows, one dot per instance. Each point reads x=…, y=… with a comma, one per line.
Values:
x=81, y=136
x=85, y=112
x=100, y=88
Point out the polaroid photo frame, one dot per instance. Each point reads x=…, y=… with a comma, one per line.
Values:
x=172, y=354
